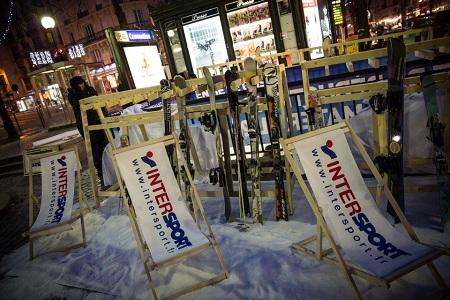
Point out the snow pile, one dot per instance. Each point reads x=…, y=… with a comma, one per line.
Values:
x=260, y=260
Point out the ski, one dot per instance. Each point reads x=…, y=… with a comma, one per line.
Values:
x=233, y=98
x=180, y=83
x=394, y=100
x=211, y=123
x=436, y=136
x=271, y=86
x=166, y=97
x=250, y=67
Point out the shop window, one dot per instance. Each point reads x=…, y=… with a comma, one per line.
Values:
x=251, y=31
x=89, y=30
x=205, y=42
x=96, y=55
x=72, y=37
x=177, y=52
x=384, y=17
x=317, y=24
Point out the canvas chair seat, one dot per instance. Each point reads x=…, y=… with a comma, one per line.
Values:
x=60, y=172
x=343, y=205
x=165, y=230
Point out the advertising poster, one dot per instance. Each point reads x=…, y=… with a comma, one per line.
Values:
x=205, y=42
x=145, y=65
x=365, y=236
x=163, y=217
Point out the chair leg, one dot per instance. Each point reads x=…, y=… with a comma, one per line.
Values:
x=83, y=230
x=437, y=276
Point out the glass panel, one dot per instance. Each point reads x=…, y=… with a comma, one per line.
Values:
x=145, y=65
x=177, y=52
x=317, y=21
x=205, y=42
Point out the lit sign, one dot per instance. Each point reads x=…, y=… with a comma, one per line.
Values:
x=200, y=16
x=309, y=3
x=337, y=14
x=76, y=51
x=41, y=57
x=239, y=4
x=134, y=36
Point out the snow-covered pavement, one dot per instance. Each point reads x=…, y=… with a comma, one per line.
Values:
x=261, y=263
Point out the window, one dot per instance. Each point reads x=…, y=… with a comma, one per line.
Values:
x=72, y=38
x=89, y=30
x=96, y=55
x=139, y=17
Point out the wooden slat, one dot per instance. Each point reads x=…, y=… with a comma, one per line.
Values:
x=167, y=140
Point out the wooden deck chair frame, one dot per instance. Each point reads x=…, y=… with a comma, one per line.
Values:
x=122, y=98
x=33, y=199
x=323, y=230
x=149, y=264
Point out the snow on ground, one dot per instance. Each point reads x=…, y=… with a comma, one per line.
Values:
x=260, y=260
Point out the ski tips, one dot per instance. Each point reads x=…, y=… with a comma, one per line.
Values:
x=165, y=85
x=180, y=82
x=250, y=65
x=397, y=47
x=270, y=74
x=230, y=76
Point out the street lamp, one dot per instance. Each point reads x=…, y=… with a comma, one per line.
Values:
x=48, y=22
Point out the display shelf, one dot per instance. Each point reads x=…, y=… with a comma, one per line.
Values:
x=266, y=34
x=248, y=25
x=254, y=39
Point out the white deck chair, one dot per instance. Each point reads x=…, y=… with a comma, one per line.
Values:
x=164, y=229
x=60, y=174
x=361, y=239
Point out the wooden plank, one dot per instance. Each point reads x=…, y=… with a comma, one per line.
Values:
x=177, y=258
x=444, y=49
x=425, y=54
x=167, y=140
x=349, y=66
x=374, y=62
x=288, y=142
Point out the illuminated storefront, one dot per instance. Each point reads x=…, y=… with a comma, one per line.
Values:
x=197, y=33
x=317, y=24
x=250, y=28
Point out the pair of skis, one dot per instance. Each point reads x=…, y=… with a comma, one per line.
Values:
x=250, y=74
x=231, y=77
x=271, y=86
x=211, y=123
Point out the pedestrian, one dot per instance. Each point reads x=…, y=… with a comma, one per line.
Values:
x=78, y=90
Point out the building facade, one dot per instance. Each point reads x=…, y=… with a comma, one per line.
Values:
x=84, y=22
x=80, y=30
